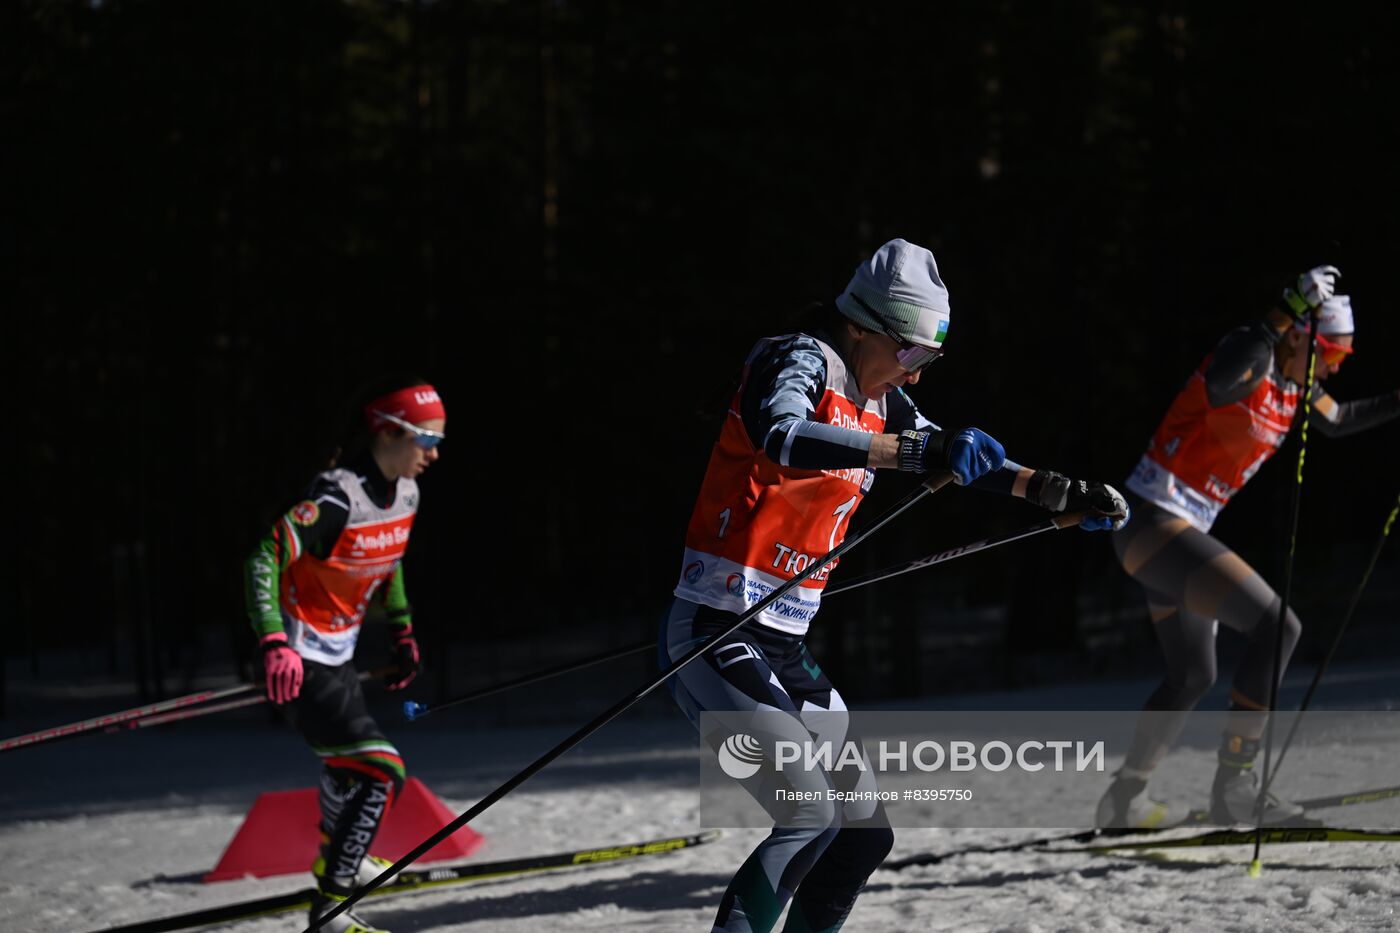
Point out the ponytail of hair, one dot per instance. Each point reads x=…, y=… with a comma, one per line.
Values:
x=356, y=436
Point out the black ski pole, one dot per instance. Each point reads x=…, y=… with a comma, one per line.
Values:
x=1255, y=866
x=1336, y=640
x=414, y=710
x=930, y=485
x=1067, y=520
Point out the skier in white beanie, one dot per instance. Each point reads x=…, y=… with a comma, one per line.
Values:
x=1231, y=417
x=818, y=411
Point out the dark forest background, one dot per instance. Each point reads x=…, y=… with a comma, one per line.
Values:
x=575, y=218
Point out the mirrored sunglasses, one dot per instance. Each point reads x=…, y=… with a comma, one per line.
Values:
x=1333, y=353
x=911, y=356
x=421, y=436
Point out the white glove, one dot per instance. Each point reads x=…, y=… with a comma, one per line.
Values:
x=1314, y=287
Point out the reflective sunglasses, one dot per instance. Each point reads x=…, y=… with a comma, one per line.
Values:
x=1333, y=353
x=421, y=436
x=911, y=356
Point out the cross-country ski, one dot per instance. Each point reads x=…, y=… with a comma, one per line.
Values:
x=423, y=880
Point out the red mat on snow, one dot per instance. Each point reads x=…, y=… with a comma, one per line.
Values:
x=280, y=834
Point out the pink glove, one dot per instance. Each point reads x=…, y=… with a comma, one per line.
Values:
x=406, y=655
x=283, y=668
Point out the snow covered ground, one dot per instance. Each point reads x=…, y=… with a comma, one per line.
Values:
x=106, y=830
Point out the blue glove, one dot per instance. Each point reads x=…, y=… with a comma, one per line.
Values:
x=972, y=453
x=1059, y=493
x=969, y=453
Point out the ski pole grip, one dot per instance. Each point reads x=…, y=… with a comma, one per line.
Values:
x=379, y=673
x=1070, y=519
x=937, y=481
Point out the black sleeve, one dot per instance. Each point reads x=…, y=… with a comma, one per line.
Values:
x=1241, y=360
x=1338, y=419
x=903, y=415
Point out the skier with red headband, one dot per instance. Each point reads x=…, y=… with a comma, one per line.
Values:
x=309, y=584
x=1232, y=415
x=818, y=411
